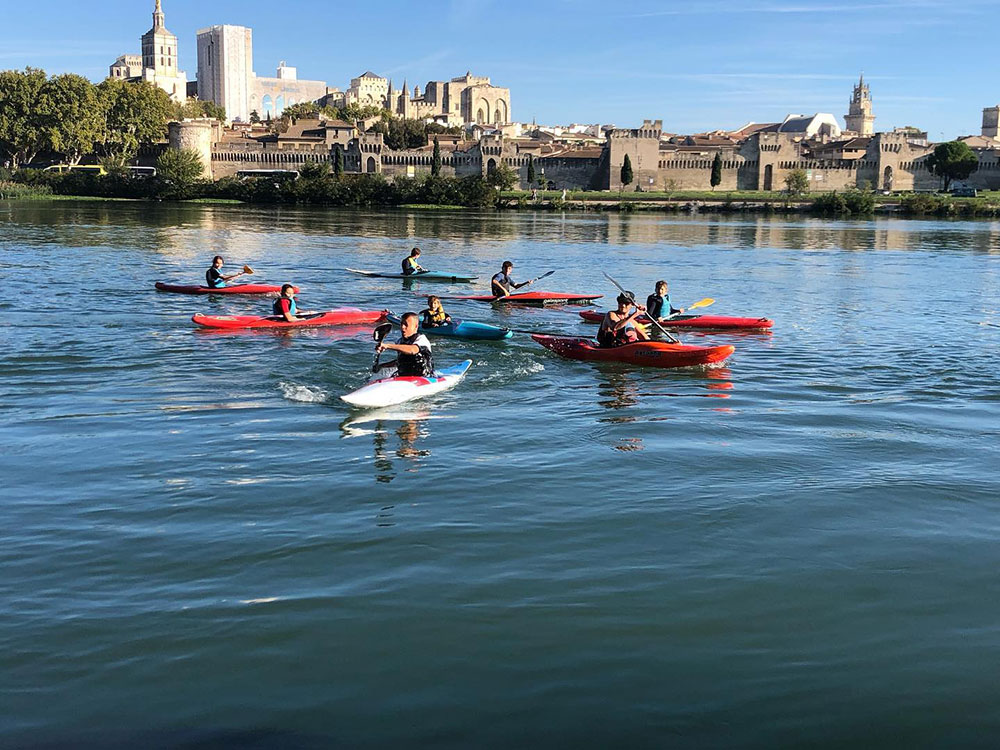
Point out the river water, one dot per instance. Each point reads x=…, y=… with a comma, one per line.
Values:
x=200, y=543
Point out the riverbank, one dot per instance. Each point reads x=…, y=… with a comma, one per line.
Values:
x=454, y=194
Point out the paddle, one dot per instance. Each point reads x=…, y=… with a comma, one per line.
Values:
x=670, y=337
x=526, y=283
x=378, y=335
x=694, y=306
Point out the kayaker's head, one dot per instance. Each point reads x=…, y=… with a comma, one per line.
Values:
x=287, y=290
x=625, y=301
x=415, y=252
x=662, y=288
x=507, y=266
x=217, y=261
x=408, y=323
x=433, y=303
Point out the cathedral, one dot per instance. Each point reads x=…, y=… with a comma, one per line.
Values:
x=158, y=61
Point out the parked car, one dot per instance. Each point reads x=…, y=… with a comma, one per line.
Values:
x=90, y=168
x=964, y=192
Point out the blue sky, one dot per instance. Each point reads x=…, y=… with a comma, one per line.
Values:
x=696, y=65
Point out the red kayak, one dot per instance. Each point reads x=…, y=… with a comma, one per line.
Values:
x=339, y=317
x=710, y=322
x=531, y=298
x=646, y=353
x=234, y=289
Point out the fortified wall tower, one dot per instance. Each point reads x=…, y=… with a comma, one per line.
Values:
x=197, y=136
x=642, y=145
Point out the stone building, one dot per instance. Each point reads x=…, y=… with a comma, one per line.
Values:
x=991, y=122
x=369, y=89
x=158, y=64
x=225, y=68
x=859, y=118
x=226, y=77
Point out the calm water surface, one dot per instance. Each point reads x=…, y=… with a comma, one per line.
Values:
x=200, y=544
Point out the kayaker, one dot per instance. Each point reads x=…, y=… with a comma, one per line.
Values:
x=413, y=350
x=618, y=327
x=502, y=284
x=659, y=301
x=434, y=315
x=410, y=265
x=214, y=276
x=284, y=306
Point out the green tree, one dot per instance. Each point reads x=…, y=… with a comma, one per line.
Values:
x=338, y=161
x=502, y=177
x=626, y=173
x=797, y=182
x=716, y=179
x=22, y=122
x=302, y=110
x=314, y=170
x=180, y=170
x=74, y=122
x=531, y=170
x=436, y=159
x=254, y=117
x=135, y=114
x=953, y=160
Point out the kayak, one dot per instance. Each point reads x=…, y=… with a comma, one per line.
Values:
x=647, y=353
x=531, y=298
x=429, y=276
x=710, y=322
x=461, y=329
x=339, y=317
x=234, y=289
x=396, y=390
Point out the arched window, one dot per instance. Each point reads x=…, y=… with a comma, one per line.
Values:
x=768, y=177
x=279, y=104
x=491, y=166
x=371, y=164
x=267, y=105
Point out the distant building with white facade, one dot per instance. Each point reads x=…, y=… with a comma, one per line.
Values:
x=226, y=77
x=225, y=68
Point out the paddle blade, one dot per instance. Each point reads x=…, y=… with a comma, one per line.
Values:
x=381, y=331
x=247, y=269
x=701, y=303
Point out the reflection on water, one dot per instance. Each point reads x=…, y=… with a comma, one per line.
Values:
x=388, y=441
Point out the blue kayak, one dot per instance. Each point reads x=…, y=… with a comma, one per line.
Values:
x=458, y=278
x=461, y=329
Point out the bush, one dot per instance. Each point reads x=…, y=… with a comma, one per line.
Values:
x=850, y=202
x=9, y=190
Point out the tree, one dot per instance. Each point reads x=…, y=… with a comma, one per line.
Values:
x=502, y=177
x=302, y=110
x=953, y=160
x=135, y=114
x=338, y=161
x=180, y=166
x=254, y=117
x=716, y=179
x=74, y=123
x=314, y=170
x=22, y=123
x=797, y=182
x=626, y=173
x=531, y=169
x=436, y=159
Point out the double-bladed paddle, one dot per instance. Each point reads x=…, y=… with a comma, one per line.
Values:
x=694, y=306
x=378, y=335
x=670, y=337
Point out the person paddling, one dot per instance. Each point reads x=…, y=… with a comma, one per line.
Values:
x=410, y=264
x=502, y=285
x=434, y=315
x=618, y=327
x=658, y=303
x=284, y=306
x=413, y=350
x=214, y=276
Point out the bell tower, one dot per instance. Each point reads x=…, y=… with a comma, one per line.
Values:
x=859, y=117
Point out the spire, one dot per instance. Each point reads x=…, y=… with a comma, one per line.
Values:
x=158, y=16
x=405, y=90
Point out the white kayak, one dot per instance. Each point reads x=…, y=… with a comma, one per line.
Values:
x=396, y=390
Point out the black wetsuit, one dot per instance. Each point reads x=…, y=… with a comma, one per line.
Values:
x=655, y=305
x=419, y=364
x=214, y=278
